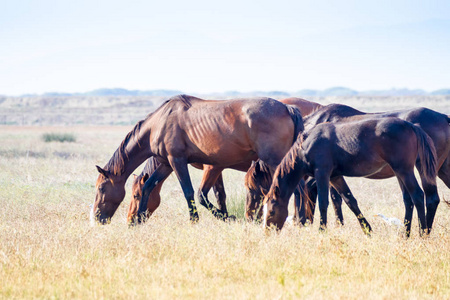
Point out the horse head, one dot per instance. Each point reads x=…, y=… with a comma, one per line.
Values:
x=257, y=182
x=275, y=211
x=109, y=193
x=136, y=195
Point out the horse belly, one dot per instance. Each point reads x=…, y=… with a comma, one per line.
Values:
x=361, y=166
x=220, y=150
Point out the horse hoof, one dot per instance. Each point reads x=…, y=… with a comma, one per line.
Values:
x=231, y=218
x=194, y=220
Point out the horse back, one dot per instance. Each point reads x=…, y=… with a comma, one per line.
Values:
x=361, y=148
x=222, y=132
x=435, y=124
x=306, y=107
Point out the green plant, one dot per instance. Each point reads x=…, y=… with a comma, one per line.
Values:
x=59, y=137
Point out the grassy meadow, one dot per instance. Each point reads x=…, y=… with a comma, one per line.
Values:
x=48, y=250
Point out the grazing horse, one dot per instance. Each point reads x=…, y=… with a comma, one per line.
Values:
x=258, y=181
x=330, y=151
x=435, y=124
x=306, y=107
x=187, y=130
x=155, y=198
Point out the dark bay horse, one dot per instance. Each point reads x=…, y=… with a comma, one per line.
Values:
x=435, y=124
x=330, y=151
x=258, y=180
x=306, y=107
x=188, y=130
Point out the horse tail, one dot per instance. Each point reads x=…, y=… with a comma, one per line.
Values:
x=427, y=161
x=296, y=116
x=305, y=201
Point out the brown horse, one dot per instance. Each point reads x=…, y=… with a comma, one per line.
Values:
x=330, y=151
x=306, y=107
x=187, y=130
x=155, y=198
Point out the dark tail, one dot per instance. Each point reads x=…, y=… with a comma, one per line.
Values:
x=296, y=116
x=427, y=162
x=306, y=205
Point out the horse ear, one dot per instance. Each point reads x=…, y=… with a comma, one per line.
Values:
x=103, y=172
x=253, y=164
x=144, y=178
x=277, y=191
x=258, y=165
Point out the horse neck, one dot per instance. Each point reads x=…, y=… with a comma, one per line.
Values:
x=130, y=155
x=134, y=160
x=290, y=175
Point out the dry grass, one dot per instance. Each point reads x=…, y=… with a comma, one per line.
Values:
x=48, y=250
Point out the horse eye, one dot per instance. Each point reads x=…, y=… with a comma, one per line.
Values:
x=272, y=213
x=101, y=190
x=136, y=196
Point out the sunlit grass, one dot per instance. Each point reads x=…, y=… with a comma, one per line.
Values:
x=48, y=250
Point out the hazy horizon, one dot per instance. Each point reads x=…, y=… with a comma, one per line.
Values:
x=203, y=47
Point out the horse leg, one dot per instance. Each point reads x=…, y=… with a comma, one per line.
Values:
x=416, y=193
x=297, y=208
x=341, y=186
x=180, y=167
x=322, y=181
x=160, y=174
x=210, y=176
x=311, y=189
x=409, y=208
x=153, y=203
x=219, y=192
x=432, y=202
x=336, y=199
x=306, y=189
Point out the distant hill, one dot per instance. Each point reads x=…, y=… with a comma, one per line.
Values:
x=124, y=92
x=112, y=92
x=334, y=91
x=441, y=92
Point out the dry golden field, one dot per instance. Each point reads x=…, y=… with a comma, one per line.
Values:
x=48, y=249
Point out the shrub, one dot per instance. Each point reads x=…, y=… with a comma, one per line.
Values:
x=58, y=137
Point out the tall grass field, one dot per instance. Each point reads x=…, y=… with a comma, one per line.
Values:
x=48, y=250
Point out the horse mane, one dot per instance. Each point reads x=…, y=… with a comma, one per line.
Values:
x=264, y=176
x=185, y=100
x=150, y=166
x=285, y=166
x=149, y=169
x=117, y=162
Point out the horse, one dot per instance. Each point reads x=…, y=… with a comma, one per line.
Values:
x=258, y=180
x=362, y=148
x=435, y=124
x=306, y=107
x=185, y=130
x=155, y=198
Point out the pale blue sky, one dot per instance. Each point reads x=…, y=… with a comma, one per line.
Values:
x=203, y=46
